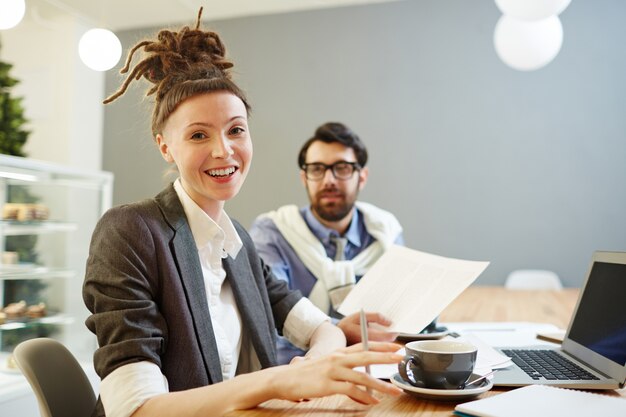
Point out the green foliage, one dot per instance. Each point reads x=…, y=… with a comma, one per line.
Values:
x=27, y=290
x=21, y=194
x=9, y=340
x=12, y=120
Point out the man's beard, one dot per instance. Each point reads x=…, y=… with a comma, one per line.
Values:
x=335, y=211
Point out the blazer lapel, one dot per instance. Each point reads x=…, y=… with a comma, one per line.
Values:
x=185, y=254
x=251, y=307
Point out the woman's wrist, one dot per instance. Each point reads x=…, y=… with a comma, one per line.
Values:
x=257, y=387
x=326, y=338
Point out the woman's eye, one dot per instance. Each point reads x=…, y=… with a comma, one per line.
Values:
x=198, y=135
x=236, y=131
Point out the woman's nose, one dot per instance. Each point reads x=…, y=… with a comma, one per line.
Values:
x=221, y=148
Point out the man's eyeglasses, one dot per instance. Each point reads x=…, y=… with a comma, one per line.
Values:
x=341, y=170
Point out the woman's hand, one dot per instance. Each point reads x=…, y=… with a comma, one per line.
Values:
x=351, y=327
x=311, y=378
x=335, y=374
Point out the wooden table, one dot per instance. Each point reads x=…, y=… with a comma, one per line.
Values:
x=475, y=304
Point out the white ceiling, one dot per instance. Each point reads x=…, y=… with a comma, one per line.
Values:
x=129, y=14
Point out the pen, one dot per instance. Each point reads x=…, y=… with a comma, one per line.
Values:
x=364, y=341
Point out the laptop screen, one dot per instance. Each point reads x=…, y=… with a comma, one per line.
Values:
x=600, y=321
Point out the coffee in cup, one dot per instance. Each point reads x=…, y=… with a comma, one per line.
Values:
x=439, y=364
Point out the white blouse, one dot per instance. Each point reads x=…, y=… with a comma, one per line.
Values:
x=124, y=390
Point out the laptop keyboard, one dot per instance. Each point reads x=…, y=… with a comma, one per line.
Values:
x=547, y=364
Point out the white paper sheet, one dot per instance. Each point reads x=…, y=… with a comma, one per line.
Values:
x=542, y=400
x=504, y=334
x=411, y=287
x=488, y=358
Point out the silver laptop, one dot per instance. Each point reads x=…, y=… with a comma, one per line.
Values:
x=595, y=341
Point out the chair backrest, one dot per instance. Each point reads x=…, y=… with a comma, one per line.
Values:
x=59, y=382
x=533, y=279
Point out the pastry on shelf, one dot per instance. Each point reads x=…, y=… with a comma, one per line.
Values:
x=36, y=310
x=24, y=211
x=10, y=258
x=11, y=364
x=15, y=310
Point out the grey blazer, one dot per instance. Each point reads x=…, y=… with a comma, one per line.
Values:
x=145, y=290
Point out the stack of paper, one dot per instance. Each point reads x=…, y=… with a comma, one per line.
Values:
x=542, y=400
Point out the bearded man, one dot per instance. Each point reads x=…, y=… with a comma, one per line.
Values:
x=323, y=249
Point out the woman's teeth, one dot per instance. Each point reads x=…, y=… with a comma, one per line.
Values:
x=221, y=172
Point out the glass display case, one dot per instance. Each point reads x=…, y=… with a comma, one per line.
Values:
x=48, y=212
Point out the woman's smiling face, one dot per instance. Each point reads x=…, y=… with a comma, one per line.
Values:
x=207, y=138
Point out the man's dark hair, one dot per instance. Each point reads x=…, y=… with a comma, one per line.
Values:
x=332, y=132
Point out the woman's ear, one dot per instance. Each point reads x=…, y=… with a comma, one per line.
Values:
x=164, y=148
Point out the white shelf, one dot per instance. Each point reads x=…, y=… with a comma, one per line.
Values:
x=13, y=272
x=42, y=172
x=23, y=323
x=17, y=228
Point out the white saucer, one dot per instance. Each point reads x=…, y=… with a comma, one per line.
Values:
x=443, y=394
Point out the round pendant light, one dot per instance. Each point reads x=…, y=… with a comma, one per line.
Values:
x=99, y=49
x=11, y=13
x=528, y=45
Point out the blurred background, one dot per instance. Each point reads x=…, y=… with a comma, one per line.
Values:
x=478, y=160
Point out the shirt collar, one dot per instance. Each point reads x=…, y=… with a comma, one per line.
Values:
x=204, y=229
x=324, y=233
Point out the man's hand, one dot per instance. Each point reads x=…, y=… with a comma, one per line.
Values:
x=351, y=327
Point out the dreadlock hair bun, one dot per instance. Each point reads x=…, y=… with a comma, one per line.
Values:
x=179, y=64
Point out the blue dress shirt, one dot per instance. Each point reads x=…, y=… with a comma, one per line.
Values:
x=286, y=265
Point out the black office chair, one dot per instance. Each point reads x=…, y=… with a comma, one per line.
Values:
x=59, y=382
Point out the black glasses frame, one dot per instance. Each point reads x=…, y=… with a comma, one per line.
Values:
x=333, y=168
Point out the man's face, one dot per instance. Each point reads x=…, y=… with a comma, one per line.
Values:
x=332, y=199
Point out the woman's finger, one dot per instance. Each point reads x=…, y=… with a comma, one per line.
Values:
x=360, y=395
x=357, y=394
x=382, y=335
x=362, y=379
x=357, y=359
x=373, y=346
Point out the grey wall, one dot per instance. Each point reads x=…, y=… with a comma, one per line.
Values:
x=478, y=161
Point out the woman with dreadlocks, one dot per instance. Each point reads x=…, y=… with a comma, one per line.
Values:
x=184, y=309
